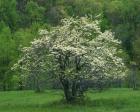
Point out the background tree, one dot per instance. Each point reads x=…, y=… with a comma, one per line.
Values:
x=34, y=12
x=8, y=13
x=7, y=55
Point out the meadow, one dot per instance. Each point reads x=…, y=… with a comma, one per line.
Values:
x=112, y=100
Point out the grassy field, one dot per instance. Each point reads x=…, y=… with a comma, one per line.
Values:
x=113, y=100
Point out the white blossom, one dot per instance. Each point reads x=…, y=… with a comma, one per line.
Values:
x=78, y=40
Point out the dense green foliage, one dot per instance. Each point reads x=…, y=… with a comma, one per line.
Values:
x=20, y=21
x=113, y=100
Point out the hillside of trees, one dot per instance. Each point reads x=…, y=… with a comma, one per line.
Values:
x=21, y=20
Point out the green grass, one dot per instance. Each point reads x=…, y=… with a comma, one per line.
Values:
x=113, y=100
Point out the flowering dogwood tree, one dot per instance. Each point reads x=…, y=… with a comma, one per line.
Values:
x=76, y=50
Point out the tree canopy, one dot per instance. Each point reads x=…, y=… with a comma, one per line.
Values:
x=76, y=50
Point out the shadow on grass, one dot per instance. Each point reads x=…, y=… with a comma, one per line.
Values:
x=102, y=102
x=116, y=103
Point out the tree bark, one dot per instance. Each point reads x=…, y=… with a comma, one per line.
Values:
x=133, y=77
x=74, y=89
x=70, y=90
x=4, y=86
x=37, y=83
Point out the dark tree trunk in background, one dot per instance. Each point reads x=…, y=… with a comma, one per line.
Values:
x=21, y=86
x=133, y=77
x=119, y=83
x=37, y=84
x=4, y=86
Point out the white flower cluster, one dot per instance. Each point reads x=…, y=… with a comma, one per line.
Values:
x=76, y=49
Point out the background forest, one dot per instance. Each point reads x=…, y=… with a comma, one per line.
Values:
x=20, y=21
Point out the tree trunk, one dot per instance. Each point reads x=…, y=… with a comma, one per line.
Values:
x=70, y=90
x=4, y=86
x=37, y=84
x=67, y=91
x=20, y=85
x=74, y=89
x=133, y=77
